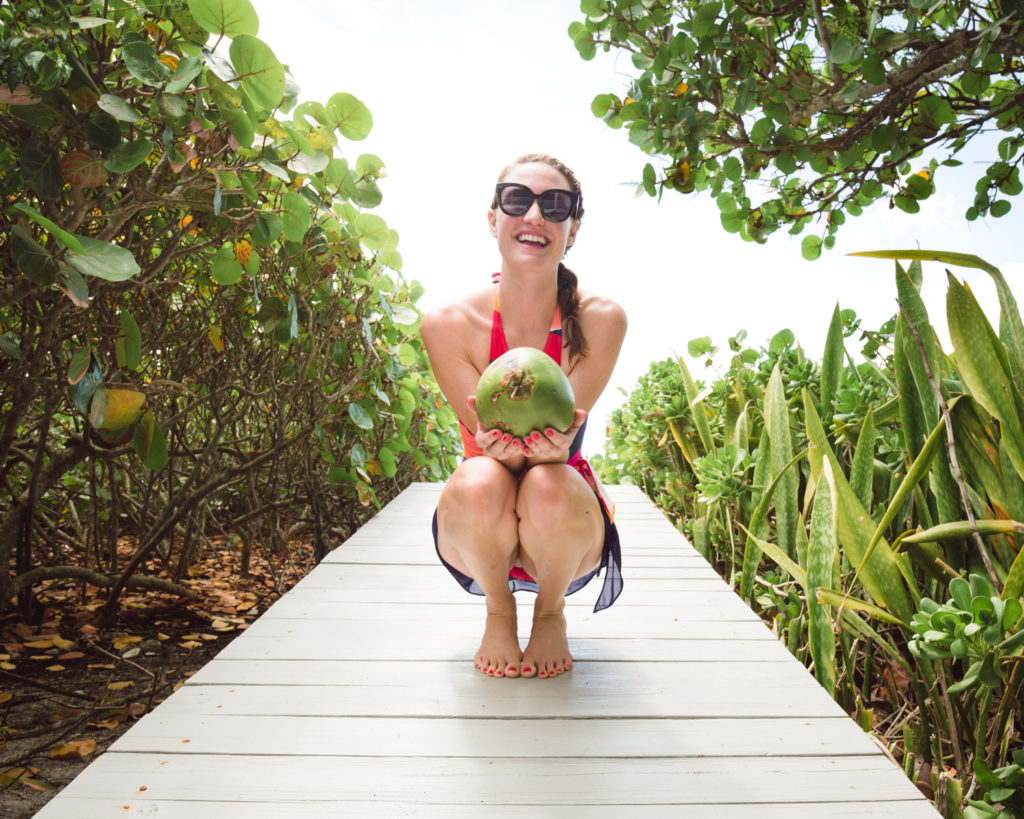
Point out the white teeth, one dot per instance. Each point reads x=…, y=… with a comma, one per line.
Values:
x=529, y=237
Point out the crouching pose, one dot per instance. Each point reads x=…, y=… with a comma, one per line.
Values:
x=527, y=514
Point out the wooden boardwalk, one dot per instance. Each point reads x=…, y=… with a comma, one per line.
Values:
x=355, y=695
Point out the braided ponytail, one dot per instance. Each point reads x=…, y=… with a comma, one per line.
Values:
x=568, y=292
x=569, y=304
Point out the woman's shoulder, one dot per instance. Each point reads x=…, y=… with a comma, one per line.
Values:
x=595, y=308
x=464, y=315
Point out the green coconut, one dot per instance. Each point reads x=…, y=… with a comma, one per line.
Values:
x=524, y=390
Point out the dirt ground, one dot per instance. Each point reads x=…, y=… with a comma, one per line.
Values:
x=70, y=686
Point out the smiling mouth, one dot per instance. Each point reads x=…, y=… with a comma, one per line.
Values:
x=532, y=239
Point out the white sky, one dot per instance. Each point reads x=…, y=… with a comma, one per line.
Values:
x=458, y=88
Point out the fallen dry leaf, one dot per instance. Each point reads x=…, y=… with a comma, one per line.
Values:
x=55, y=668
x=74, y=750
x=71, y=655
x=120, y=686
x=5, y=695
x=38, y=644
x=125, y=640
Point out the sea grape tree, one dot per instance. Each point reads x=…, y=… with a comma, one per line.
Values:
x=789, y=113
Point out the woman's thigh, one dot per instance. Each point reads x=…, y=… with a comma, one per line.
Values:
x=476, y=505
x=559, y=509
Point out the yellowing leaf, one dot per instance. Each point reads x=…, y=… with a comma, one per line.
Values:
x=216, y=339
x=120, y=686
x=63, y=644
x=5, y=695
x=125, y=640
x=74, y=750
x=8, y=666
x=39, y=644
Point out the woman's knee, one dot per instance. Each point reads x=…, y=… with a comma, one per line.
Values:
x=552, y=496
x=480, y=490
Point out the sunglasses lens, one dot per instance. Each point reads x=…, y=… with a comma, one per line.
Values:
x=556, y=206
x=516, y=200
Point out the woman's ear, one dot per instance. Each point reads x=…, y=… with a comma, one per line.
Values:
x=572, y=233
x=492, y=220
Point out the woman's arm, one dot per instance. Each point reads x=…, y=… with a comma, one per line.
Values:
x=604, y=326
x=451, y=335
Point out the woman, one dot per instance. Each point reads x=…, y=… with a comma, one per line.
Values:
x=527, y=513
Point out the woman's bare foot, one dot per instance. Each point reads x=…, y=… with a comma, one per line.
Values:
x=499, y=654
x=547, y=653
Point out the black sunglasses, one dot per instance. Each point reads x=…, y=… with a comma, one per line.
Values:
x=555, y=205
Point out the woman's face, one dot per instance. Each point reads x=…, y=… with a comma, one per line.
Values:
x=531, y=241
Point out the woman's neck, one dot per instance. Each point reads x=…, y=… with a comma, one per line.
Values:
x=527, y=303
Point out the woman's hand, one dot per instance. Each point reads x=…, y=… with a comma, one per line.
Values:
x=550, y=445
x=497, y=444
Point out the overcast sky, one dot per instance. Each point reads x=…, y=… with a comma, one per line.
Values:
x=458, y=88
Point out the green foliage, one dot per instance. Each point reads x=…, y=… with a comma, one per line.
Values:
x=793, y=113
x=200, y=320
x=902, y=485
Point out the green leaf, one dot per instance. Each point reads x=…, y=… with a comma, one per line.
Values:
x=880, y=575
x=188, y=69
x=822, y=562
x=156, y=458
x=810, y=247
x=142, y=62
x=349, y=116
x=776, y=413
x=226, y=269
x=82, y=391
x=103, y=260
x=128, y=155
x=129, y=343
x=261, y=74
x=69, y=240
x=984, y=366
x=832, y=364
x=371, y=231
x=360, y=417
x=118, y=108
x=230, y=17
x=296, y=219
x=34, y=261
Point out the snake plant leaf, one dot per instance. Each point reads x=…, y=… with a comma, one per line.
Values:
x=832, y=364
x=984, y=367
x=700, y=416
x=822, y=557
x=784, y=561
x=777, y=423
x=863, y=467
x=1011, y=328
x=881, y=574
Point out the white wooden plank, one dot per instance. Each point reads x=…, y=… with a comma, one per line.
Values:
x=361, y=646
x=689, y=609
x=100, y=808
x=594, y=690
x=481, y=781
x=462, y=624
x=173, y=730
